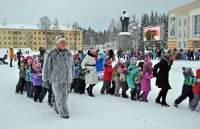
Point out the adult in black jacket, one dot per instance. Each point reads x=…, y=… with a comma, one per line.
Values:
x=162, y=78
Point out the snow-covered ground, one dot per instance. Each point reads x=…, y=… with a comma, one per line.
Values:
x=101, y=112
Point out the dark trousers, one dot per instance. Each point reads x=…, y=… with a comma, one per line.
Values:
x=76, y=84
x=112, y=89
x=138, y=90
x=124, y=87
x=20, y=85
x=37, y=91
x=31, y=90
x=11, y=62
x=28, y=85
x=186, y=92
x=82, y=86
x=43, y=94
x=106, y=86
x=162, y=94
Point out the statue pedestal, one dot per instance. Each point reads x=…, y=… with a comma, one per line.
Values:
x=124, y=41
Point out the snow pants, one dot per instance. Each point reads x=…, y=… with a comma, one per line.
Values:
x=195, y=101
x=61, y=93
x=186, y=92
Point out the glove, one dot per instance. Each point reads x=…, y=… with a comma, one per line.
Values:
x=40, y=74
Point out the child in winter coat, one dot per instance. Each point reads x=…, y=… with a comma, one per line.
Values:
x=190, y=79
x=27, y=79
x=130, y=76
x=146, y=80
x=107, y=77
x=122, y=78
x=76, y=81
x=137, y=81
x=37, y=81
x=22, y=74
x=196, y=91
x=115, y=77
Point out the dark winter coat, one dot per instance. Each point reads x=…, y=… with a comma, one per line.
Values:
x=162, y=76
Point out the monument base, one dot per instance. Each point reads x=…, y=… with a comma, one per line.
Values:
x=124, y=41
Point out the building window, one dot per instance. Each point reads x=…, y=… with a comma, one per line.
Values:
x=185, y=22
x=43, y=33
x=179, y=23
x=9, y=43
x=8, y=32
x=39, y=43
x=38, y=33
x=70, y=38
x=4, y=38
x=172, y=27
x=20, y=38
x=34, y=33
x=4, y=32
x=43, y=38
x=184, y=45
x=34, y=43
x=24, y=43
x=197, y=45
x=179, y=44
x=66, y=38
x=184, y=33
x=197, y=25
x=0, y=43
x=70, y=34
x=179, y=34
x=9, y=38
x=20, y=43
x=34, y=38
x=39, y=38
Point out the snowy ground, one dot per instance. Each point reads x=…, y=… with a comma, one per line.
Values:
x=101, y=112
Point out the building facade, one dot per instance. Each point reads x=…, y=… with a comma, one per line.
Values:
x=184, y=27
x=30, y=36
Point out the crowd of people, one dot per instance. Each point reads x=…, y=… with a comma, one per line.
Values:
x=60, y=72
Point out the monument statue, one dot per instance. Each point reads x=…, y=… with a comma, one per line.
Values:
x=124, y=21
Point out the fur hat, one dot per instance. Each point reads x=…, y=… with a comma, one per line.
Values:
x=60, y=38
x=133, y=61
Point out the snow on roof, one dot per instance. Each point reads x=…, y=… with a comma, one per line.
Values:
x=33, y=27
x=124, y=33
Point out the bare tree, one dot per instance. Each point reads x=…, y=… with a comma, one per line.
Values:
x=45, y=24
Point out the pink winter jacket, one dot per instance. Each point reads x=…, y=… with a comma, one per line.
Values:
x=146, y=82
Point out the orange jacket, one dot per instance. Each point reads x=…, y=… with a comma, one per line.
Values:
x=11, y=53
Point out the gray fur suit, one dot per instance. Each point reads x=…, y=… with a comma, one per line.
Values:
x=59, y=70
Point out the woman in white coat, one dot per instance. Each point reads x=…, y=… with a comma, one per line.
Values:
x=89, y=68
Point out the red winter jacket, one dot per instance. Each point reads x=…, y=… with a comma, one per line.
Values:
x=108, y=73
x=196, y=87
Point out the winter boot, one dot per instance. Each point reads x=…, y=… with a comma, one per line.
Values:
x=124, y=95
x=133, y=94
x=175, y=104
x=91, y=88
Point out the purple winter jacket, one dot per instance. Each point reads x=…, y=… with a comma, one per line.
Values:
x=37, y=80
x=146, y=82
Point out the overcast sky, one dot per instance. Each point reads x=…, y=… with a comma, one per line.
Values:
x=95, y=13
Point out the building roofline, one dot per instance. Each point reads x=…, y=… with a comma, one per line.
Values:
x=185, y=5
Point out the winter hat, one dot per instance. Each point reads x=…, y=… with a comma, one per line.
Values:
x=198, y=73
x=141, y=64
x=60, y=38
x=92, y=50
x=148, y=64
x=133, y=61
x=187, y=71
x=122, y=60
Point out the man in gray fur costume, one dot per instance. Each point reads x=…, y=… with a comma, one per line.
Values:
x=59, y=70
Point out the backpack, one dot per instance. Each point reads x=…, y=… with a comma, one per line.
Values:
x=138, y=76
